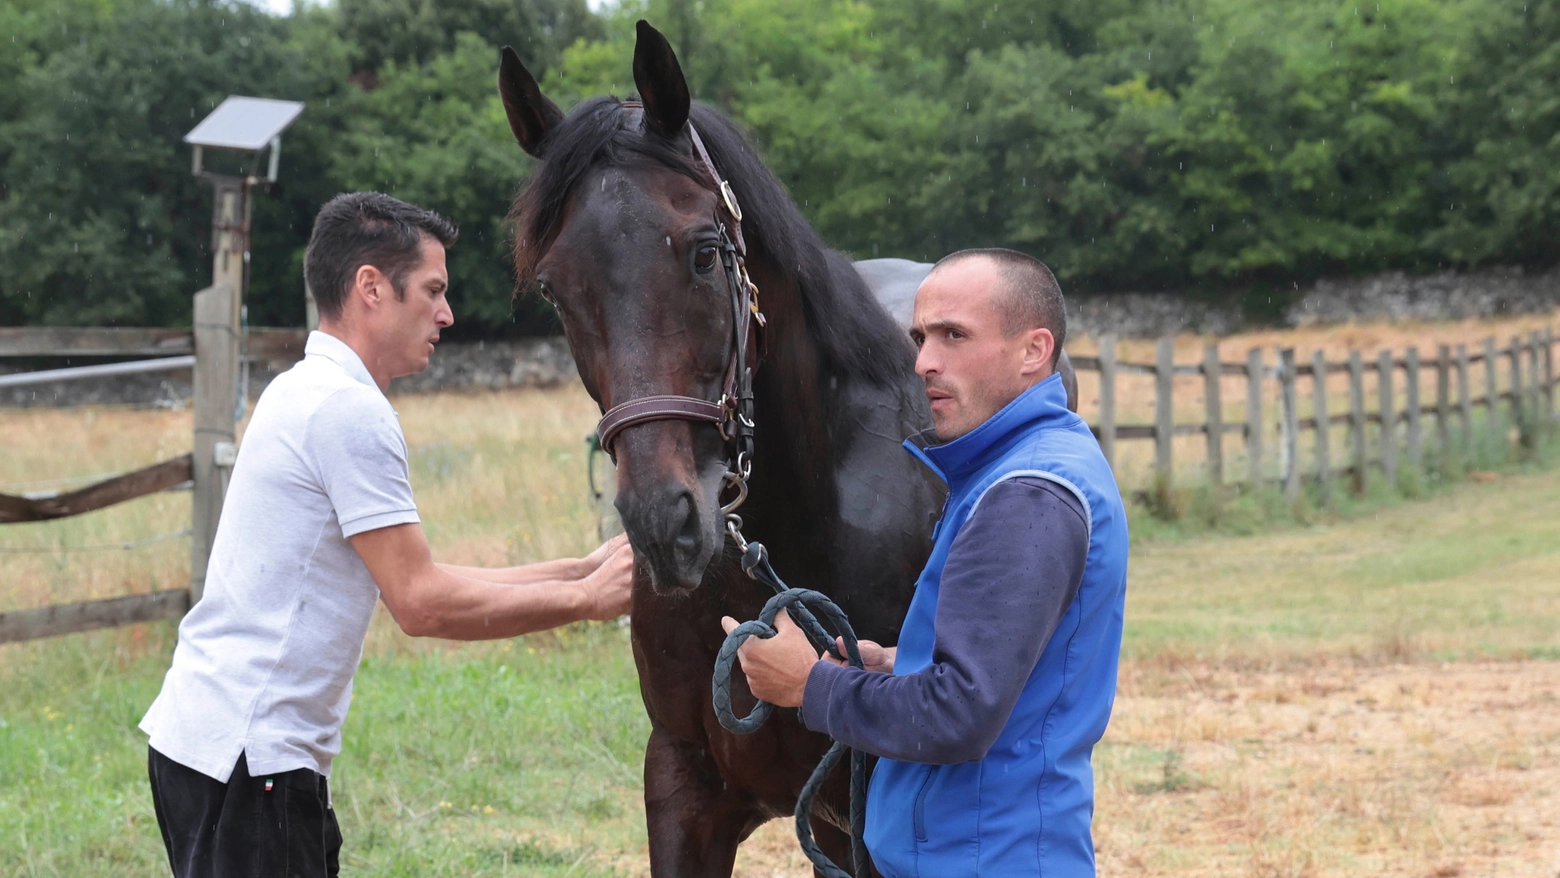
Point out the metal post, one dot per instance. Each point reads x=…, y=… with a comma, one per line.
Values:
x=1388, y=415
x=1212, y=373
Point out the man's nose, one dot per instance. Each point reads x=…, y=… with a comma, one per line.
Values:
x=926, y=362
x=445, y=317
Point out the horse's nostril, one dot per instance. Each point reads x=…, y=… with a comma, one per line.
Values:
x=687, y=541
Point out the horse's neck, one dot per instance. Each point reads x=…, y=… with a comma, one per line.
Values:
x=792, y=389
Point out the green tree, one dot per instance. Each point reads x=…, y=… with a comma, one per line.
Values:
x=101, y=220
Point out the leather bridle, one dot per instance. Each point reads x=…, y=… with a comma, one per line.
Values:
x=732, y=414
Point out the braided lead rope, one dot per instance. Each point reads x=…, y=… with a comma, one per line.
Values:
x=804, y=606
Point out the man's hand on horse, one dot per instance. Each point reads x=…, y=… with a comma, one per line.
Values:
x=776, y=668
x=604, y=551
x=609, y=586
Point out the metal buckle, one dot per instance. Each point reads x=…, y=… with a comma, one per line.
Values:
x=730, y=197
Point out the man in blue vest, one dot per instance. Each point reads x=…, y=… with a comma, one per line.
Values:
x=987, y=712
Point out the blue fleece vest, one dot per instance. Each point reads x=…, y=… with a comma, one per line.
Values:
x=1026, y=807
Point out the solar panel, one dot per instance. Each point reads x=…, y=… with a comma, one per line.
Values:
x=244, y=123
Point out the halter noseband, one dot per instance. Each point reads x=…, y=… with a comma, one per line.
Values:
x=732, y=414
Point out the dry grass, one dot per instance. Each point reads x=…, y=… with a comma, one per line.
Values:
x=1410, y=770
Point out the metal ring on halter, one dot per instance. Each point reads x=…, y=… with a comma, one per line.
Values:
x=742, y=493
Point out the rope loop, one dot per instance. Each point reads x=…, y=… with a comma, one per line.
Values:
x=805, y=607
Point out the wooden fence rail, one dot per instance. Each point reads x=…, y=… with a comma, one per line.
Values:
x=152, y=479
x=1400, y=414
x=215, y=349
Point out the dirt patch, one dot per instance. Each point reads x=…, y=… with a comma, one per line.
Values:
x=1331, y=770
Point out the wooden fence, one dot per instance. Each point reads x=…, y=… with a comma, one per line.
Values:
x=214, y=350
x=219, y=344
x=1399, y=418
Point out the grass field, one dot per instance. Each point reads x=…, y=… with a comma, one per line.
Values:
x=1372, y=692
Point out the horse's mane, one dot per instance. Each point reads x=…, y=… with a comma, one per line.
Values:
x=855, y=334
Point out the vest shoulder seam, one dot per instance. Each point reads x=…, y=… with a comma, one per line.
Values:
x=1088, y=509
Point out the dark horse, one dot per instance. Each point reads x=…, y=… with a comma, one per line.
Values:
x=617, y=228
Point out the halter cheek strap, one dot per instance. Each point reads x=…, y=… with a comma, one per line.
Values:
x=733, y=412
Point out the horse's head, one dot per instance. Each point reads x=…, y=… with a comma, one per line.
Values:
x=617, y=228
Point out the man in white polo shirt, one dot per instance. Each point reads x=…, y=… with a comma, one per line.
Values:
x=318, y=525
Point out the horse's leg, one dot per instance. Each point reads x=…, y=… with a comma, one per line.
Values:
x=694, y=820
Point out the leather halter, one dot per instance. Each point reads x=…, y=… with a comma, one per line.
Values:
x=733, y=412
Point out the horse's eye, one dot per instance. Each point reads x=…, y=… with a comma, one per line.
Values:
x=547, y=294
x=704, y=260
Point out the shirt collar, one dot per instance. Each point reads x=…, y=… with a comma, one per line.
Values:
x=1043, y=404
x=322, y=344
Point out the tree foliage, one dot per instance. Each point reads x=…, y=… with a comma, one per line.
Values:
x=1215, y=146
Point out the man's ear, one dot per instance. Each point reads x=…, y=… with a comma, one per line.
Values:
x=1039, y=352
x=370, y=284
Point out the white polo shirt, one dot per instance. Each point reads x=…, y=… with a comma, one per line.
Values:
x=264, y=662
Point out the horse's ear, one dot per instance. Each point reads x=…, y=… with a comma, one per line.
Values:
x=531, y=113
x=659, y=77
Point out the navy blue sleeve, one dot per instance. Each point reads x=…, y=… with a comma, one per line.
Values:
x=1012, y=572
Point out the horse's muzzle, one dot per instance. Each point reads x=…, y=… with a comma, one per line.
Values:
x=670, y=503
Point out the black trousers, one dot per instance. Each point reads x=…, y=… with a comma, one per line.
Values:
x=270, y=826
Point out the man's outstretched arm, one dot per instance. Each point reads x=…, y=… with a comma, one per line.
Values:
x=428, y=601
x=541, y=571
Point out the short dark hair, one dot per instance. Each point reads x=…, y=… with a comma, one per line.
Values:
x=1030, y=296
x=367, y=228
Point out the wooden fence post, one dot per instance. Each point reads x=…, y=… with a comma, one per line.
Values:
x=1324, y=473
x=1536, y=377
x=1254, y=416
x=1387, y=413
x=215, y=397
x=1108, y=397
x=1289, y=445
x=1164, y=405
x=1443, y=400
x=1357, y=420
x=1413, y=444
x=1464, y=402
x=1212, y=373
x=1548, y=394
x=1516, y=379
x=1492, y=427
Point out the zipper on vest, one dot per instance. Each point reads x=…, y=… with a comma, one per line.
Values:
x=919, y=814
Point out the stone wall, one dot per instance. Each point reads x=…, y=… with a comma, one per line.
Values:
x=1390, y=296
x=545, y=362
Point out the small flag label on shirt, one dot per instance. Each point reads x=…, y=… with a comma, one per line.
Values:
x=268, y=783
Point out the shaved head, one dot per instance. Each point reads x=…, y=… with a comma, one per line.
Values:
x=1028, y=297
